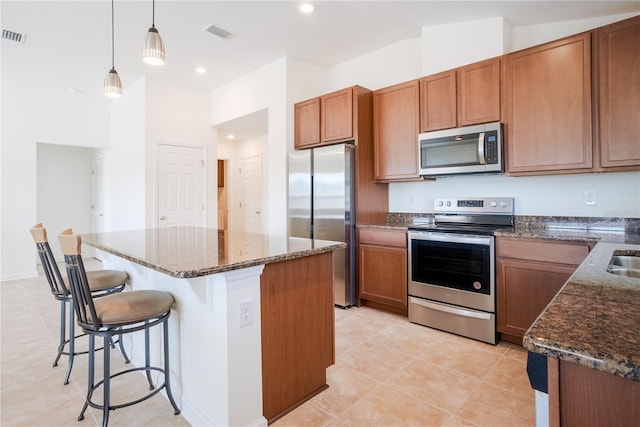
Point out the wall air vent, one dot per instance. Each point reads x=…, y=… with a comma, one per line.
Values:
x=217, y=31
x=12, y=35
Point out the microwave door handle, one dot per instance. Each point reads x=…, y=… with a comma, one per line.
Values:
x=481, y=148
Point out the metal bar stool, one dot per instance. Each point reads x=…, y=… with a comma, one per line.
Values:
x=101, y=283
x=116, y=314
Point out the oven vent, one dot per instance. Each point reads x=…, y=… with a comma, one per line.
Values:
x=13, y=36
x=217, y=31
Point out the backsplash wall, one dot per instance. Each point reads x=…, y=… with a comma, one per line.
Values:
x=616, y=194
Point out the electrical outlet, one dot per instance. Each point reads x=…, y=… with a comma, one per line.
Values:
x=246, y=312
x=589, y=198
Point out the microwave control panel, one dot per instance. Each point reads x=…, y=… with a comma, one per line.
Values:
x=491, y=147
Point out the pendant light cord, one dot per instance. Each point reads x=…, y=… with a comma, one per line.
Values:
x=113, y=62
x=153, y=14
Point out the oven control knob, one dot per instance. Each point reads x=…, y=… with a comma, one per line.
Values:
x=503, y=204
x=477, y=285
x=448, y=203
x=440, y=203
x=494, y=204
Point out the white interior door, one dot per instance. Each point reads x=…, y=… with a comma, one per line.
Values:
x=251, y=194
x=180, y=186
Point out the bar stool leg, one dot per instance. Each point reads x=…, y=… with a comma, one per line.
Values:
x=106, y=399
x=147, y=358
x=90, y=376
x=72, y=344
x=167, y=372
x=63, y=332
x=124, y=353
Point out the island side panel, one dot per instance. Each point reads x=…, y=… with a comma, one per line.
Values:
x=580, y=396
x=297, y=331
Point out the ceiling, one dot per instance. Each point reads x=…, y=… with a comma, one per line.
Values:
x=69, y=42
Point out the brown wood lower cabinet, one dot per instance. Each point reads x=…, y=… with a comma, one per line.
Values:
x=530, y=274
x=581, y=396
x=296, y=303
x=382, y=269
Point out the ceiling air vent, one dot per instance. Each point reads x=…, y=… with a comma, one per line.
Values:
x=11, y=35
x=224, y=34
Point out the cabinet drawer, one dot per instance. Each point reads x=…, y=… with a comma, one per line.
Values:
x=537, y=250
x=384, y=237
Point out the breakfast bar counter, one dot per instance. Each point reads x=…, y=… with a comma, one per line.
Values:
x=252, y=327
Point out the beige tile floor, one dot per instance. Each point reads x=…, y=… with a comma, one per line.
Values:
x=388, y=372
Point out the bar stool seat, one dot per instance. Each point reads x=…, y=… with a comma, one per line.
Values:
x=116, y=314
x=101, y=283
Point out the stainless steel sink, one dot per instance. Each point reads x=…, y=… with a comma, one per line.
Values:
x=628, y=261
x=625, y=263
x=628, y=272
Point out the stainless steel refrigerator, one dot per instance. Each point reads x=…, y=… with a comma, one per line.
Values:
x=321, y=199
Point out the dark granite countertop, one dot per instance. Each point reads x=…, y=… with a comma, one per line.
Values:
x=594, y=319
x=186, y=252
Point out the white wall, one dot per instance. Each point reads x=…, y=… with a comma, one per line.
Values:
x=64, y=190
x=34, y=111
x=453, y=45
x=264, y=88
x=617, y=194
x=396, y=63
x=124, y=162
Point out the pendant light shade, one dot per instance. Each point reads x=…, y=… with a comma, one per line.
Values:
x=112, y=83
x=153, y=47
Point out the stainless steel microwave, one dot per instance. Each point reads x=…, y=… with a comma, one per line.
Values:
x=469, y=149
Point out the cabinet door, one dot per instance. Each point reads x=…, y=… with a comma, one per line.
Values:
x=306, y=123
x=337, y=116
x=479, y=93
x=619, y=89
x=383, y=274
x=438, y=101
x=395, y=132
x=548, y=107
x=524, y=290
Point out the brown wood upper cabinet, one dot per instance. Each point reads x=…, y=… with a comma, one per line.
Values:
x=324, y=120
x=618, y=54
x=548, y=107
x=396, y=124
x=461, y=97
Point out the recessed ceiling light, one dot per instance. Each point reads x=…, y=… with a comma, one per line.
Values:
x=231, y=136
x=201, y=70
x=306, y=7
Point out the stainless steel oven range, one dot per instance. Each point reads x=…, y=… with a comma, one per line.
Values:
x=452, y=269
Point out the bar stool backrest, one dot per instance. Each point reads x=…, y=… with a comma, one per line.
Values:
x=49, y=265
x=77, y=276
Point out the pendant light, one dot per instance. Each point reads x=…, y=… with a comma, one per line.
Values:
x=112, y=83
x=153, y=47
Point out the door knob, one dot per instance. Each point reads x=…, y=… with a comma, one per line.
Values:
x=162, y=218
x=257, y=212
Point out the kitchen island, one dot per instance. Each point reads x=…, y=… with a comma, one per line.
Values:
x=589, y=333
x=252, y=328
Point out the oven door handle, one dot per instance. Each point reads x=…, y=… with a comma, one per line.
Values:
x=453, y=238
x=451, y=310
